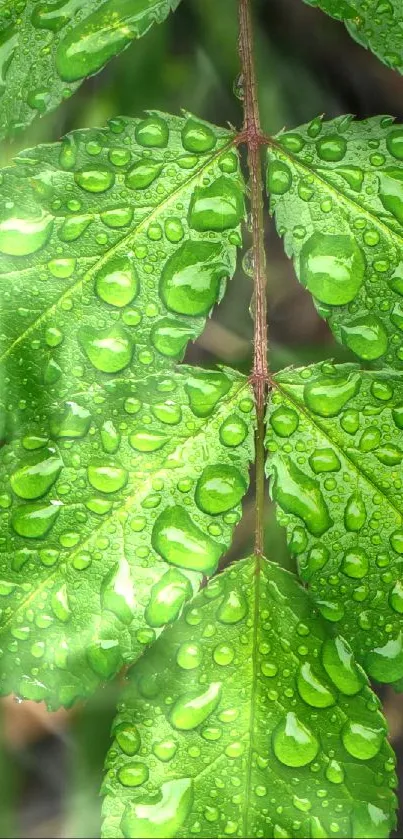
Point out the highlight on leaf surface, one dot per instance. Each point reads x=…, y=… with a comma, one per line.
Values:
x=121, y=473
x=68, y=41
x=337, y=195
x=335, y=446
x=376, y=26
x=246, y=718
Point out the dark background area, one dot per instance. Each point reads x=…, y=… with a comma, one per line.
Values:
x=51, y=764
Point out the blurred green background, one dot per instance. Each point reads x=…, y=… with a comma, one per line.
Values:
x=51, y=764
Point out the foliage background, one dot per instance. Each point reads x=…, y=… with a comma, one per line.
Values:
x=51, y=764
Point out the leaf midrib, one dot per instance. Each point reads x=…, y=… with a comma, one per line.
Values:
x=88, y=276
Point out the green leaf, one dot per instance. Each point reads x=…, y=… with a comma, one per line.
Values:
x=243, y=719
x=68, y=41
x=335, y=438
x=114, y=461
x=337, y=194
x=376, y=26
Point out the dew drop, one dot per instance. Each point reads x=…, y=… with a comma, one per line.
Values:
x=366, y=337
x=33, y=521
x=284, y=421
x=117, y=282
x=197, y=137
x=301, y=496
x=167, y=598
x=133, y=774
x=362, y=741
x=117, y=592
x=107, y=476
x=95, y=180
x=326, y=396
x=128, y=738
x=177, y=539
x=385, y=664
x=338, y=661
x=152, y=132
x=191, y=278
x=161, y=819
x=332, y=268
x=219, y=488
x=192, y=709
x=311, y=689
x=217, y=207
x=37, y=475
x=293, y=743
x=143, y=174
x=21, y=236
x=108, y=350
x=233, y=431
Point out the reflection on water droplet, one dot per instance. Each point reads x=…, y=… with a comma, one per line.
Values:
x=72, y=421
x=362, y=741
x=233, y=431
x=197, y=137
x=311, y=689
x=117, y=592
x=34, y=520
x=167, y=598
x=355, y=513
x=233, y=607
x=37, y=475
x=152, y=132
x=279, y=178
x=95, y=180
x=332, y=268
x=177, y=539
x=21, y=236
x=133, y=774
x=104, y=658
x=170, y=336
x=301, y=496
x=331, y=147
x=334, y=772
x=327, y=395
x=143, y=174
x=338, y=661
x=219, y=488
x=191, y=278
x=161, y=819
x=218, y=207
x=189, y=656
x=284, y=421
x=192, y=709
x=366, y=337
x=109, y=350
x=385, y=664
x=324, y=460
x=117, y=282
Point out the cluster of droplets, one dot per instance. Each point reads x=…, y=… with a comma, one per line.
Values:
x=54, y=46
x=314, y=723
x=336, y=477
x=117, y=488
x=344, y=255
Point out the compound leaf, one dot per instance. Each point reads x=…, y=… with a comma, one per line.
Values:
x=376, y=26
x=68, y=41
x=337, y=194
x=244, y=718
x=335, y=438
x=114, y=460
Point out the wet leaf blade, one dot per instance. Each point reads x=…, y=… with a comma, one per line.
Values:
x=377, y=27
x=337, y=195
x=104, y=434
x=335, y=444
x=68, y=41
x=230, y=731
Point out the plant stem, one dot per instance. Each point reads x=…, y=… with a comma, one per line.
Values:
x=252, y=136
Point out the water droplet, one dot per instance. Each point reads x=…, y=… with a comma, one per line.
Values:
x=396, y=597
x=60, y=604
x=218, y=207
x=355, y=513
x=389, y=455
x=117, y=592
x=197, y=137
x=312, y=690
x=362, y=741
x=133, y=774
x=167, y=598
x=117, y=282
x=165, y=750
x=21, y=236
x=233, y=608
x=352, y=175
x=385, y=664
x=95, y=180
x=36, y=475
x=391, y=191
x=152, y=132
x=205, y=389
x=143, y=174
x=219, y=488
x=298, y=494
x=191, y=278
x=177, y=539
x=109, y=350
x=293, y=743
x=332, y=268
x=104, y=658
x=394, y=143
x=338, y=661
x=279, y=178
x=192, y=709
x=160, y=819
x=327, y=395
x=284, y=421
x=174, y=231
x=93, y=41
x=128, y=738
x=366, y=337
x=72, y=421
x=144, y=440
x=324, y=460
x=34, y=520
x=170, y=336
x=107, y=476
x=223, y=654
x=370, y=439
x=233, y=431
x=189, y=656
x=334, y=772
x=355, y=564
x=331, y=147
x=62, y=268
x=169, y=412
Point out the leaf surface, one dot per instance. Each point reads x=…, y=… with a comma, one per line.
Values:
x=115, y=461
x=243, y=719
x=376, y=26
x=337, y=195
x=68, y=41
x=335, y=442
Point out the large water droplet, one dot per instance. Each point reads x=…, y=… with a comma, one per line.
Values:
x=233, y=607
x=355, y=513
x=332, y=268
x=385, y=664
x=144, y=440
x=338, y=661
x=233, y=431
x=327, y=395
x=72, y=421
x=284, y=421
x=293, y=743
x=128, y=738
x=391, y=192
x=143, y=174
x=104, y=658
x=355, y=564
x=177, y=539
x=324, y=460
x=331, y=147
x=312, y=690
x=189, y=656
x=362, y=741
x=35, y=477
x=60, y=604
x=191, y=710
x=133, y=774
x=366, y=337
x=197, y=137
x=117, y=592
x=396, y=597
x=334, y=772
x=107, y=476
x=219, y=206
x=279, y=178
x=20, y=236
x=153, y=132
x=95, y=180
x=370, y=821
x=205, y=389
x=170, y=336
x=191, y=278
x=167, y=598
x=161, y=819
x=219, y=488
x=34, y=520
x=117, y=282
x=300, y=495
x=109, y=350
